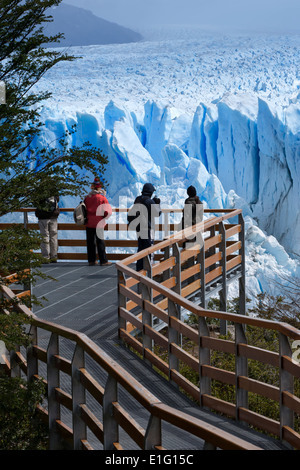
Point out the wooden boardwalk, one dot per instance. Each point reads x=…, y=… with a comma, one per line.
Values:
x=84, y=298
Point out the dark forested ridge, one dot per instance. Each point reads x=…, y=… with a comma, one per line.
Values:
x=82, y=28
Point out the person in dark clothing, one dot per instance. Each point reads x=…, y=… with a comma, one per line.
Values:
x=143, y=212
x=47, y=213
x=193, y=211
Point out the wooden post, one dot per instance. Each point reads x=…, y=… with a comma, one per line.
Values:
x=241, y=369
x=242, y=280
x=204, y=359
x=223, y=291
x=177, y=275
x=25, y=215
x=15, y=370
x=32, y=361
x=153, y=434
x=202, y=277
x=177, y=268
x=286, y=384
x=165, y=225
x=212, y=250
x=166, y=273
x=173, y=337
x=146, y=316
x=53, y=383
x=121, y=303
x=78, y=399
x=110, y=426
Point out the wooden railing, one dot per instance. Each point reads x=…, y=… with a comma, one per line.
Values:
x=161, y=294
x=178, y=283
x=119, y=241
x=82, y=407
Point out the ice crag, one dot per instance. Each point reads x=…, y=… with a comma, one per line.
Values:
x=239, y=151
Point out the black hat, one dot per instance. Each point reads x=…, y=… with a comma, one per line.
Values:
x=148, y=188
x=191, y=190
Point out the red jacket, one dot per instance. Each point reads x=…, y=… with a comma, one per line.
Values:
x=98, y=209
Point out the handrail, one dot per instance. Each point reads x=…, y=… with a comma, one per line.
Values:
x=111, y=228
x=151, y=438
x=140, y=309
x=281, y=327
x=159, y=293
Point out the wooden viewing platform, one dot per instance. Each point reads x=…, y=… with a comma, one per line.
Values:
x=103, y=395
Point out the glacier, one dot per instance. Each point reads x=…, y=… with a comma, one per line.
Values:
x=238, y=154
x=219, y=112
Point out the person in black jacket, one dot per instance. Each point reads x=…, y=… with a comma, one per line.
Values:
x=47, y=212
x=192, y=213
x=143, y=213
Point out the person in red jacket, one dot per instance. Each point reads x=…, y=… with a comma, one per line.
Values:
x=98, y=211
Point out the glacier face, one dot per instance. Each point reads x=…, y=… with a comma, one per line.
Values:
x=237, y=153
x=250, y=147
x=219, y=112
x=259, y=158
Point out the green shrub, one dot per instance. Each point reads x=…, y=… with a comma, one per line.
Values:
x=266, y=307
x=20, y=427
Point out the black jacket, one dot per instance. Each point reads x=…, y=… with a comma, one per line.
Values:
x=194, y=201
x=153, y=210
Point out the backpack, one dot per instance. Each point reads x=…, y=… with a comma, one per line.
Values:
x=51, y=204
x=48, y=208
x=80, y=214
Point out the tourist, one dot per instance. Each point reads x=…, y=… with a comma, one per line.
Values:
x=47, y=213
x=143, y=213
x=192, y=213
x=98, y=211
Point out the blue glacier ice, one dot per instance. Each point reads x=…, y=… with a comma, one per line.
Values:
x=238, y=151
x=221, y=112
x=238, y=154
